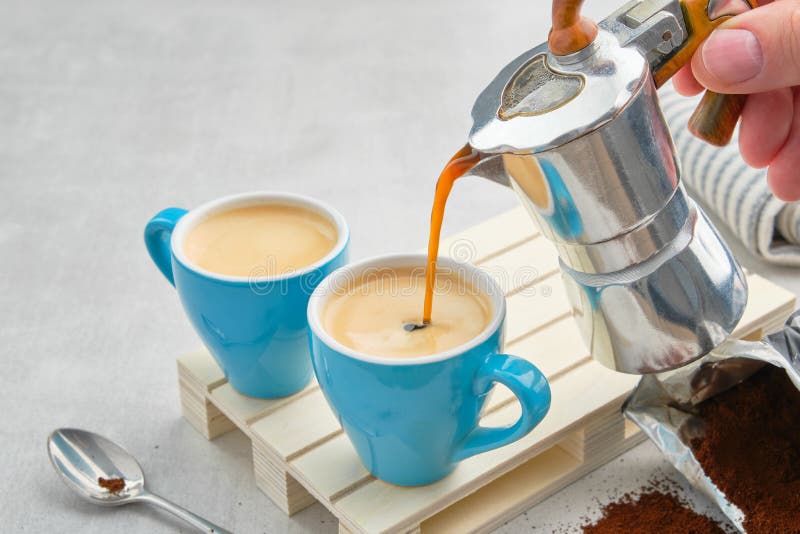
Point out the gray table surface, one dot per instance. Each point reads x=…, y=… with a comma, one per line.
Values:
x=110, y=111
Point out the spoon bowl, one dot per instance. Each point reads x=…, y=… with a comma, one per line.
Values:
x=81, y=458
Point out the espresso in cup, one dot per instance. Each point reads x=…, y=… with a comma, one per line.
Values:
x=380, y=313
x=260, y=240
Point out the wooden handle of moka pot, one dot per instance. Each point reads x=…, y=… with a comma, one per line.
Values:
x=570, y=32
x=715, y=118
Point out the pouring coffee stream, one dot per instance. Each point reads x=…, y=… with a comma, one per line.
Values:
x=461, y=163
x=573, y=126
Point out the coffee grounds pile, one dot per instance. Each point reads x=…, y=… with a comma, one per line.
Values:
x=651, y=511
x=113, y=485
x=751, y=449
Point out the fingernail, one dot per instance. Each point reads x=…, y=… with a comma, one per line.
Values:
x=732, y=56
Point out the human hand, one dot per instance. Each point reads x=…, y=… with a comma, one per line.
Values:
x=758, y=53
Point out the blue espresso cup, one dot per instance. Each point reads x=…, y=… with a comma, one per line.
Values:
x=412, y=420
x=254, y=326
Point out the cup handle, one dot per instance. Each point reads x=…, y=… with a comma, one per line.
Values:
x=157, y=235
x=531, y=389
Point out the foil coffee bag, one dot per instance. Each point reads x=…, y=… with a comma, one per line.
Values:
x=665, y=405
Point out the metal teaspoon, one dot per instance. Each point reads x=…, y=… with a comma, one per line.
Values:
x=82, y=458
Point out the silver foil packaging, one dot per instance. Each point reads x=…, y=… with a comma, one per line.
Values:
x=664, y=405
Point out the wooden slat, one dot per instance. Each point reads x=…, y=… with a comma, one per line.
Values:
x=202, y=369
x=553, y=349
x=331, y=469
x=602, y=432
x=490, y=237
x=238, y=407
x=245, y=410
x=523, y=265
x=297, y=500
x=536, y=306
x=297, y=426
x=200, y=413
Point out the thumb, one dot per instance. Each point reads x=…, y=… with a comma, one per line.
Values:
x=753, y=52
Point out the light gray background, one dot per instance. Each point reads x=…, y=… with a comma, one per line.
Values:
x=111, y=111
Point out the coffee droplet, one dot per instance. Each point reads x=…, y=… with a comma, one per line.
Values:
x=410, y=327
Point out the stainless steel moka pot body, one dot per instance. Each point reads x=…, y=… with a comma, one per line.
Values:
x=582, y=141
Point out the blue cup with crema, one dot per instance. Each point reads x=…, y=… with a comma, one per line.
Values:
x=244, y=267
x=410, y=398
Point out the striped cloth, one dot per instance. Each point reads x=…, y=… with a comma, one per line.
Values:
x=737, y=194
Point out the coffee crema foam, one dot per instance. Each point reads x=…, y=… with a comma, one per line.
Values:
x=370, y=314
x=260, y=240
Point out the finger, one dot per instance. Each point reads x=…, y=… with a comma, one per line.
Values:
x=766, y=123
x=753, y=52
x=685, y=83
x=784, y=171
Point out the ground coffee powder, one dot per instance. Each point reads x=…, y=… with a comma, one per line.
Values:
x=113, y=485
x=651, y=511
x=751, y=449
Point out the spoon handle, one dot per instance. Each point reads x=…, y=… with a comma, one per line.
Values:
x=191, y=518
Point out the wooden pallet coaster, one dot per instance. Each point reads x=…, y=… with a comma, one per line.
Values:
x=300, y=454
